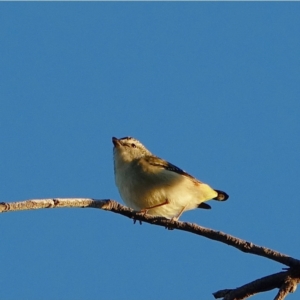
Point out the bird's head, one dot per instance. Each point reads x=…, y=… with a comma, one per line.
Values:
x=128, y=149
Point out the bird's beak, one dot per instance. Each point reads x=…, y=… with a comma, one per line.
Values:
x=116, y=142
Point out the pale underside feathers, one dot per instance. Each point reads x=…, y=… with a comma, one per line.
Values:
x=150, y=184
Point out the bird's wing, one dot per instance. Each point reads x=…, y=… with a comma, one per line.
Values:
x=158, y=162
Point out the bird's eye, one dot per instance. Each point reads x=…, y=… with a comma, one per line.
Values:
x=133, y=145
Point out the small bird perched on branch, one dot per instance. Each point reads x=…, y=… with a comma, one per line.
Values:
x=152, y=185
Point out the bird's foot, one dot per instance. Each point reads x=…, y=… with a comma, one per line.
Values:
x=134, y=221
x=144, y=211
x=170, y=225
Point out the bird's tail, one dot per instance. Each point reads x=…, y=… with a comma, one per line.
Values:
x=222, y=196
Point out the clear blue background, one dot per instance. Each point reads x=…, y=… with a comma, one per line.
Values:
x=212, y=87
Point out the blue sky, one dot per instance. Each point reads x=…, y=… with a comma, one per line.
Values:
x=211, y=87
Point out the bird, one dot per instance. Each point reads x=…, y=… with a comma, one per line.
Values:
x=151, y=185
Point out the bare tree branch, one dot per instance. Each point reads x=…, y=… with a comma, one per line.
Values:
x=115, y=207
x=286, y=281
x=289, y=285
